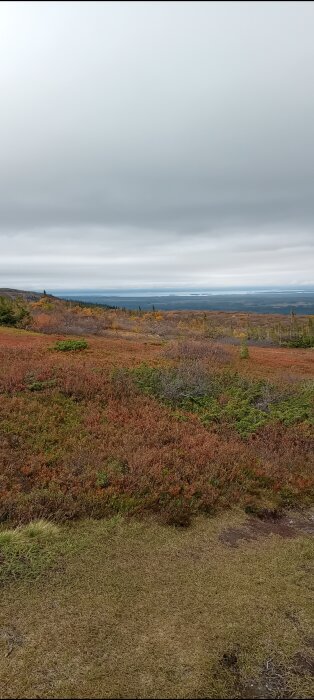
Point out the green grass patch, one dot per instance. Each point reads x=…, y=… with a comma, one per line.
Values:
x=26, y=552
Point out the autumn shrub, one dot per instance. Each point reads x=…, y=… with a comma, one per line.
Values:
x=62, y=317
x=122, y=383
x=175, y=438
x=45, y=322
x=115, y=465
x=41, y=503
x=196, y=350
x=177, y=513
x=81, y=382
x=189, y=381
x=21, y=367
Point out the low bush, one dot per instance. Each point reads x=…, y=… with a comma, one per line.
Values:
x=187, y=381
x=226, y=397
x=177, y=513
x=122, y=383
x=302, y=341
x=197, y=350
x=70, y=345
x=81, y=382
x=103, y=479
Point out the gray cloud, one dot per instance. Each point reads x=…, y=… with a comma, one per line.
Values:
x=156, y=143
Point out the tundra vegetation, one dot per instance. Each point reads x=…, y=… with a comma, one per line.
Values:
x=121, y=435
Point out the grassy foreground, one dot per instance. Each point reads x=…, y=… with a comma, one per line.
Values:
x=128, y=609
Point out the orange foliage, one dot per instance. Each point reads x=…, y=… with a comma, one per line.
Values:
x=75, y=443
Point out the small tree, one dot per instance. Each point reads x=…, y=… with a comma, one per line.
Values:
x=13, y=312
x=7, y=315
x=244, y=351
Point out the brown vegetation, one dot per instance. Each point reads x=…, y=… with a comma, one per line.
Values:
x=67, y=420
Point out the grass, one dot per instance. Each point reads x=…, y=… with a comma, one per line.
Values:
x=26, y=552
x=144, y=610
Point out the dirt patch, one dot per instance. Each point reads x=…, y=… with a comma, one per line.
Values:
x=270, y=684
x=304, y=664
x=229, y=659
x=287, y=526
x=273, y=680
x=11, y=639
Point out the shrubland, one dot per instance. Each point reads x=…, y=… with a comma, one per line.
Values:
x=48, y=314
x=167, y=429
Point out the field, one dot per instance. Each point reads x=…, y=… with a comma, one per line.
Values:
x=169, y=462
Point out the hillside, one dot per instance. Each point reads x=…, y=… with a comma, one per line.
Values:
x=19, y=294
x=145, y=424
x=49, y=314
x=155, y=491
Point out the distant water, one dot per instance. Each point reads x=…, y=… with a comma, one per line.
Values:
x=265, y=301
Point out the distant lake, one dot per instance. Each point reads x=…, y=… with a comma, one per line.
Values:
x=271, y=302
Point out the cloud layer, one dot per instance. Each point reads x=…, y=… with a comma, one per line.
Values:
x=156, y=144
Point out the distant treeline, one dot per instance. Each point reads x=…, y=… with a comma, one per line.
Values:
x=88, y=304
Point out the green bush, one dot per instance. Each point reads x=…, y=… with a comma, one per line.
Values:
x=102, y=480
x=12, y=313
x=70, y=345
x=303, y=341
x=226, y=397
x=189, y=381
x=117, y=466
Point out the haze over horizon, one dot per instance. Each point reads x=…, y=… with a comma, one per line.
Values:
x=156, y=145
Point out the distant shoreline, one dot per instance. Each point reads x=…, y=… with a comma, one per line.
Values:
x=279, y=301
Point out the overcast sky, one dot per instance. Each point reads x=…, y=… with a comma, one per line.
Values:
x=156, y=144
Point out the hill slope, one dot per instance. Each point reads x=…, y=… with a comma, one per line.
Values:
x=22, y=294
